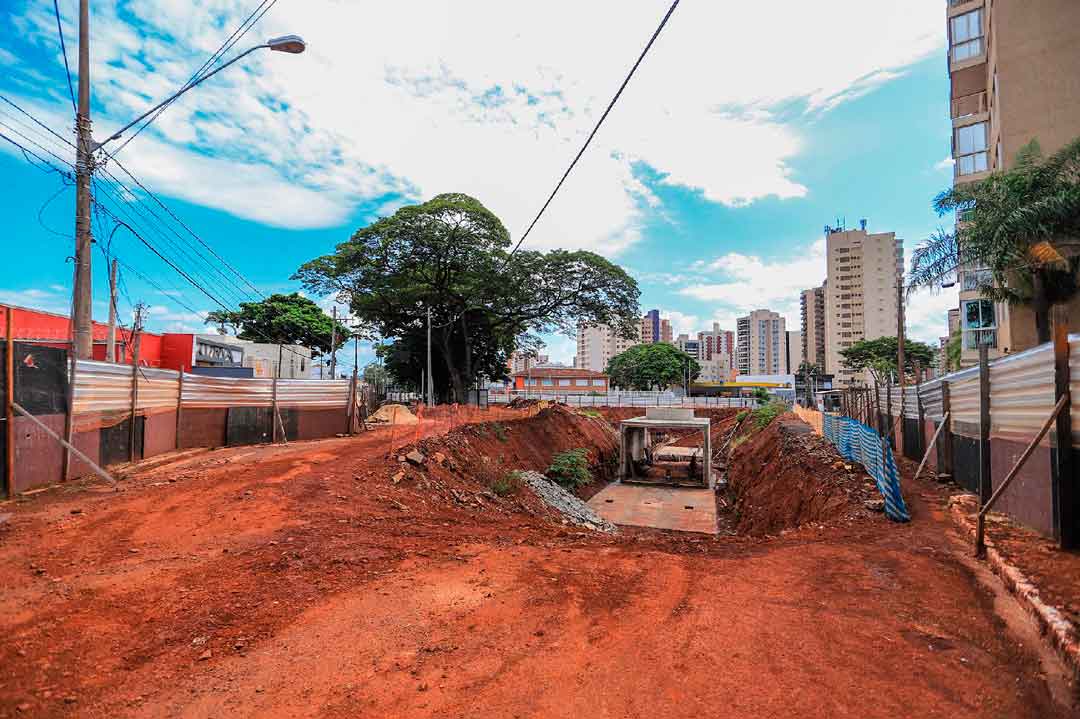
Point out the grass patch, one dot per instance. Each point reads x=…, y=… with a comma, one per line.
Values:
x=499, y=429
x=765, y=414
x=741, y=439
x=570, y=468
x=507, y=484
x=590, y=413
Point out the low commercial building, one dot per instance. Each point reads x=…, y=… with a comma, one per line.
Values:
x=561, y=380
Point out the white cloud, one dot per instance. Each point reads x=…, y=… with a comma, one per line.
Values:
x=741, y=283
x=415, y=98
x=945, y=164
x=682, y=323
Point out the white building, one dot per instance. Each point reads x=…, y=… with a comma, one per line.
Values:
x=761, y=340
x=597, y=344
x=262, y=357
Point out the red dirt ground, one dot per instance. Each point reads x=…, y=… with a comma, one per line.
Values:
x=312, y=580
x=785, y=476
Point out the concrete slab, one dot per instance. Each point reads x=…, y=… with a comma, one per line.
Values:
x=677, y=453
x=679, y=508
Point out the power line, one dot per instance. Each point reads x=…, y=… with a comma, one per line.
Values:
x=38, y=122
x=63, y=49
x=225, y=47
x=27, y=153
x=592, y=134
x=190, y=231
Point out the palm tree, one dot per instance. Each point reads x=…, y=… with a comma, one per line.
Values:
x=1022, y=224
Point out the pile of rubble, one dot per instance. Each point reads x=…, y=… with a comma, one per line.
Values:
x=573, y=509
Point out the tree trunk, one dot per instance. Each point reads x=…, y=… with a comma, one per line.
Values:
x=467, y=372
x=1040, y=304
x=451, y=367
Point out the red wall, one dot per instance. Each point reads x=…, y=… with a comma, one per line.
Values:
x=176, y=351
x=55, y=331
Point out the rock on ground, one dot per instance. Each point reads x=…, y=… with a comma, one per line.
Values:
x=574, y=509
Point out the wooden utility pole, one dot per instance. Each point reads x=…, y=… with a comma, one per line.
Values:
x=179, y=406
x=1066, y=487
x=333, y=344
x=137, y=341
x=84, y=160
x=110, y=344
x=945, y=449
x=9, y=404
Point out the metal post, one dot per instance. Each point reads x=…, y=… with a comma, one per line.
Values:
x=84, y=158
x=887, y=429
x=273, y=399
x=179, y=405
x=135, y=383
x=430, y=383
x=110, y=344
x=986, y=487
x=1065, y=486
x=9, y=405
x=901, y=367
x=333, y=346
x=919, y=408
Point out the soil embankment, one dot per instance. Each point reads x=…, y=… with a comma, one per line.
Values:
x=784, y=476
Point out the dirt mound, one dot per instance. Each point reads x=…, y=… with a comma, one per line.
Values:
x=393, y=414
x=468, y=464
x=785, y=475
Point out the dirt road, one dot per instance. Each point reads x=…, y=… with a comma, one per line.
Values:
x=306, y=581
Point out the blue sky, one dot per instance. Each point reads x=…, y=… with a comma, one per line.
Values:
x=711, y=182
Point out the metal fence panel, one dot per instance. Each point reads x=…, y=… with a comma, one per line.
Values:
x=158, y=388
x=964, y=398
x=311, y=393
x=931, y=396
x=1021, y=393
x=1074, y=386
x=101, y=386
x=201, y=391
x=911, y=402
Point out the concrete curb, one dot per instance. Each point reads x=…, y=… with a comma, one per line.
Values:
x=1061, y=633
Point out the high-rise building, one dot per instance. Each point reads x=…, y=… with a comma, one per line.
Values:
x=760, y=343
x=865, y=270
x=792, y=352
x=655, y=328
x=597, y=344
x=812, y=305
x=1013, y=78
x=716, y=341
x=689, y=346
x=524, y=361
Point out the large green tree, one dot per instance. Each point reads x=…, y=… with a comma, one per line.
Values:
x=284, y=319
x=651, y=366
x=879, y=356
x=1023, y=225
x=451, y=256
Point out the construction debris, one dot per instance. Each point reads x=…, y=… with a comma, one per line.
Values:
x=575, y=510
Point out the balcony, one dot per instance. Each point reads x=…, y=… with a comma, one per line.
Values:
x=969, y=105
x=974, y=279
x=974, y=339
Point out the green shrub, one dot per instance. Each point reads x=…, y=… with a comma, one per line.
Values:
x=500, y=431
x=507, y=484
x=590, y=413
x=570, y=468
x=765, y=414
x=740, y=440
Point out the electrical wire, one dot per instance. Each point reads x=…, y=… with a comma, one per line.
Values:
x=592, y=134
x=63, y=49
x=225, y=47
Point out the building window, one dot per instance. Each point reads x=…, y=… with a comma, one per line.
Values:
x=564, y=383
x=966, y=35
x=971, y=149
x=581, y=382
x=548, y=382
x=980, y=324
x=598, y=383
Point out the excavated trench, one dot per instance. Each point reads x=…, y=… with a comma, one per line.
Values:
x=769, y=479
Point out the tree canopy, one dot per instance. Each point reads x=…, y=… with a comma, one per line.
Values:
x=1022, y=225
x=450, y=256
x=651, y=366
x=285, y=319
x=879, y=356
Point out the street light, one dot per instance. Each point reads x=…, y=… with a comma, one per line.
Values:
x=291, y=44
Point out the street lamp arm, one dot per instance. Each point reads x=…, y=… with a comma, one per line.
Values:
x=177, y=94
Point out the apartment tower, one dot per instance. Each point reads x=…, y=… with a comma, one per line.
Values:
x=597, y=344
x=761, y=339
x=865, y=271
x=1013, y=78
x=654, y=328
x=812, y=305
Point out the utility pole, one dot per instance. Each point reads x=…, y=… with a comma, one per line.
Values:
x=84, y=159
x=900, y=358
x=430, y=384
x=136, y=332
x=110, y=345
x=333, y=344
